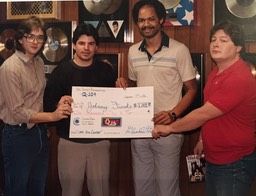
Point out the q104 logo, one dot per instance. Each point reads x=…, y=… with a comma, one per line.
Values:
x=110, y=122
x=105, y=122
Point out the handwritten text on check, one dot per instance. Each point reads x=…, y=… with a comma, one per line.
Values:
x=112, y=112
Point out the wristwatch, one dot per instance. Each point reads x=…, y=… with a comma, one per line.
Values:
x=173, y=115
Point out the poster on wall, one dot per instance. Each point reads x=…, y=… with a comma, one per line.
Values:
x=109, y=17
x=179, y=12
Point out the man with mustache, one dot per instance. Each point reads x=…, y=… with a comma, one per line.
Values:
x=166, y=64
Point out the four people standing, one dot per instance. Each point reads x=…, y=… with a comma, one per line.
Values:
x=227, y=117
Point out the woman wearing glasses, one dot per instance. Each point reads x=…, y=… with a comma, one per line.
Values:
x=25, y=142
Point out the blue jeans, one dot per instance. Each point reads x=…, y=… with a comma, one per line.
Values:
x=26, y=155
x=234, y=179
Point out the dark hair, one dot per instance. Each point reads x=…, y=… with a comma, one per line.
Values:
x=86, y=29
x=157, y=5
x=115, y=23
x=27, y=26
x=234, y=31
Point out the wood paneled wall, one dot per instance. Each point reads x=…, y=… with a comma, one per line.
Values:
x=196, y=38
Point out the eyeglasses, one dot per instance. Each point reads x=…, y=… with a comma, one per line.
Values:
x=31, y=38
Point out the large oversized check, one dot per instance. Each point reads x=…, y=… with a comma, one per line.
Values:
x=112, y=112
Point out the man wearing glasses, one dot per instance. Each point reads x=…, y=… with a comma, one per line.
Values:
x=25, y=142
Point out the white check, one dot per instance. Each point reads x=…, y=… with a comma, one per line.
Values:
x=111, y=112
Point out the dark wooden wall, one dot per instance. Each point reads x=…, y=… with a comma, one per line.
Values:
x=197, y=39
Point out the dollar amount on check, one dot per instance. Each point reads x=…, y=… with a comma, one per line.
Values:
x=112, y=112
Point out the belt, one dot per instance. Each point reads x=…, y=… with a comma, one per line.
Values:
x=24, y=125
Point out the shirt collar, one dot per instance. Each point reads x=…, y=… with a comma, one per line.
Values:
x=232, y=68
x=164, y=42
x=23, y=57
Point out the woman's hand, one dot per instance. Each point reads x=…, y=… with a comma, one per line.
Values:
x=64, y=109
x=65, y=100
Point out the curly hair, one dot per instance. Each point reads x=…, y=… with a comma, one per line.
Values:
x=157, y=5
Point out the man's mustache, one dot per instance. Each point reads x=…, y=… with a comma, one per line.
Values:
x=144, y=28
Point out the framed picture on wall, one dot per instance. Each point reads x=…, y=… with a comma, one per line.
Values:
x=58, y=45
x=110, y=17
x=43, y=9
x=7, y=40
x=179, y=12
x=115, y=60
x=242, y=13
